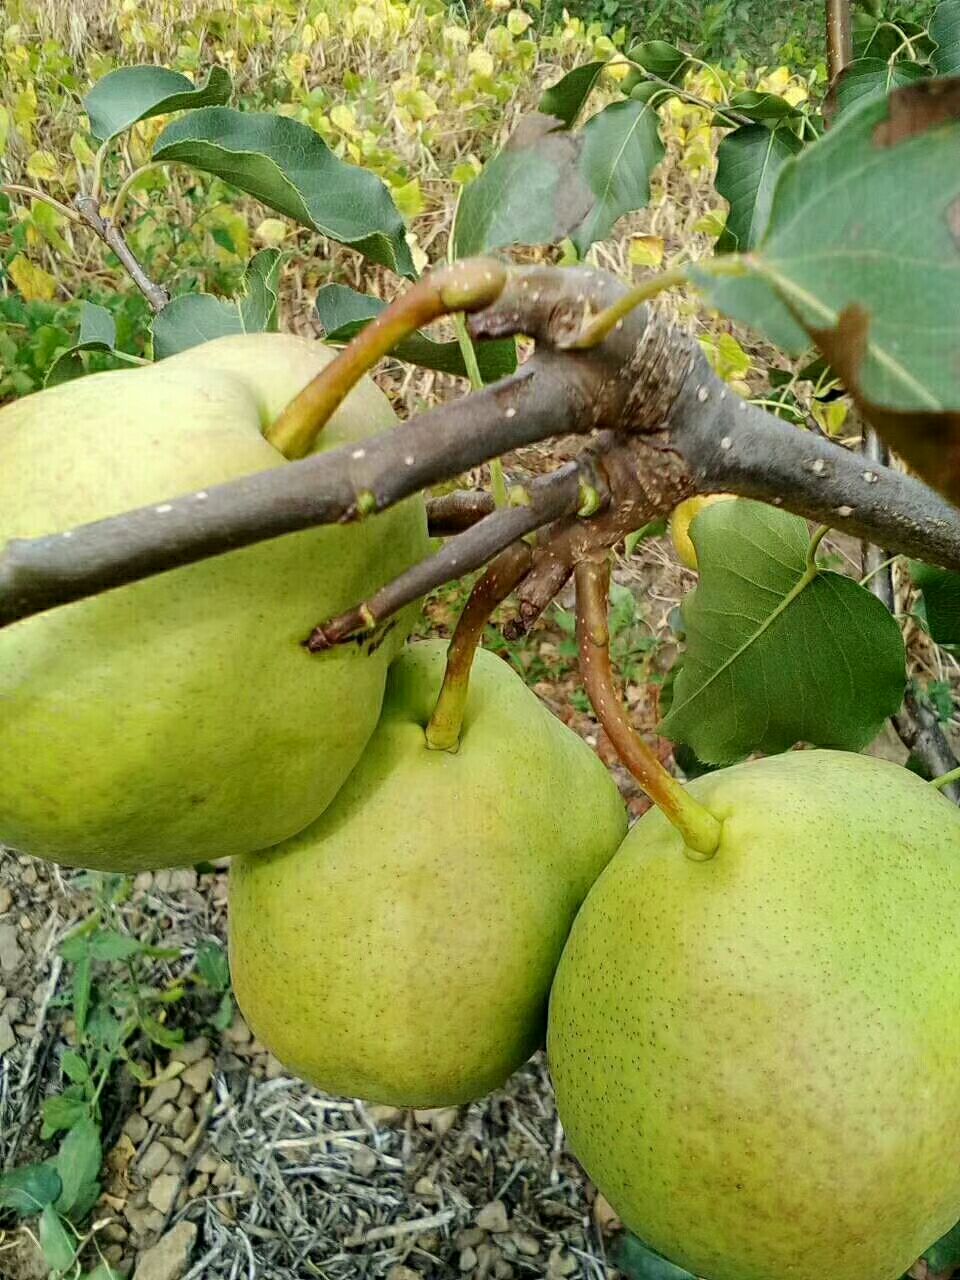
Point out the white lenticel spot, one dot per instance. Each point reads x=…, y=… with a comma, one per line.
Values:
x=726, y=443
x=703, y=395
x=163, y=509
x=511, y=413
x=201, y=496
x=359, y=453
x=843, y=512
x=409, y=460
x=818, y=467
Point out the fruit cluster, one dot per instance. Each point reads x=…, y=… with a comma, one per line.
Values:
x=756, y=1053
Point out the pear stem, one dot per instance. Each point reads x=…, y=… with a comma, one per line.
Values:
x=698, y=827
x=595, y=330
x=945, y=779
x=503, y=574
x=465, y=286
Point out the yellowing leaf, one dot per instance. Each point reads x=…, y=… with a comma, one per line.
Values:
x=271, y=233
x=4, y=129
x=466, y=170
x=344, y=119
x=34, y=284
x=409, y=198
x=42, y=166
x=480, y=62
x=830, y=416
x=712, y=223
x=646, y=251
x=47, y=222
x=82, y=152
x=420, y=259
x=727, y=358
x=518, y=22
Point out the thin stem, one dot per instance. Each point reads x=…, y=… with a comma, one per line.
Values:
x=503, y=574
x=96, y=180
x=15, y=189
x=466, y=286
x=814, y=547
x=946, y=779
x=595, y=330
x=89, y=209
x=694, y=99
x=839, y=36
x=497, y=482
x=698, y=827
x=120, y=197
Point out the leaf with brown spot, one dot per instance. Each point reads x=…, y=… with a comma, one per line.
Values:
x=918, y=108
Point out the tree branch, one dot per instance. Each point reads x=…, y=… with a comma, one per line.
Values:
x=839, y=37
x=89, y=211
x=454, y=512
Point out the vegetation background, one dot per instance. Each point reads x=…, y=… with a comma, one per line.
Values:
x=215, y=1163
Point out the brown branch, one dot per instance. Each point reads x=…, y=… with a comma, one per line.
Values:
x=550, y=497
x=454, y=512
x=839, y=36
x=920, y=732
x=699, y=828
x=493, y=587
x=89, y=211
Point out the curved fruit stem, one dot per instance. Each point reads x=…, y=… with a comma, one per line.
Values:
x=443, y=731
x=595, y=330
x=467, y=286
x=699, y=828
x=945, y=779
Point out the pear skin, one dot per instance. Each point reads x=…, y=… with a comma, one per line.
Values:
x=180, y=718
x=757, y=1057
x=401, y=948
x=683, y=516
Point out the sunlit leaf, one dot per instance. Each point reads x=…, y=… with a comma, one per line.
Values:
x=130, y=94
x=34, y=284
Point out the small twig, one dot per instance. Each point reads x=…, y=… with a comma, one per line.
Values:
x=15, y=189
x=550, y=497
x=502, y=575
x=119, y=199
x=89, y=211
x=454, y=512
x=699, y=828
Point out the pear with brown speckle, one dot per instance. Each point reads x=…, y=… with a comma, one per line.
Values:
x=757, y=1057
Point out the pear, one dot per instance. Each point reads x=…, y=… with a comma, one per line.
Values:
x=401, y=948
x=180, y=718
x=757, y=1057
x=683, y=516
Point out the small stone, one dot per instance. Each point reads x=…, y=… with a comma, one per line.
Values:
x=136, y=1128
x=403, y=1273
x=503, y=1270
x=197, y=1076
x=191, y=1051
x=223, y=1175
x=440, y=1119
x=469, y=1238
x=115, y=1232
x=6, y=901
x=493, y=1217
x=168, y=1258
x=245, y=1186
x=163, y=1192
x=10, y=953
x=28, y=876
x=186, y=1097
x=153, y=1161
x=165, y=1115
x=182, y=879
x=207, y=1163
x=238, y=1032
x=275, y=1068
x=113, y=1253
x=468, y=1259
x=561, y=1263
x=145, y=1222
x=529, y=1246
x=176, y=1165
x=183, y=1125
x=605, y=1216
x=13, y=1009
x=198, y=1186
x=143, y=882
x=166, y=1091
x=425, y=1187
x=364, y=1162
x=380, y=1114
x=7, y=1037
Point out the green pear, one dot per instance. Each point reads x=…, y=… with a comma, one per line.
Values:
x=757, y=1057
x=401, y=948
x=180, y=717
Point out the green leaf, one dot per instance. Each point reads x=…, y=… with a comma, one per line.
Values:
x=564, y=100
x=749, y=161
x=58, y=1247
x=639, y=1262
x=130, y=94
x=288, y=166
x=224, y=1014
x=98, y=332
x=160, y=1034
x=941, y=600
x=74, y=1067
x=769, y=662
x=760, y=107
x=548, y=183
x=621, y=148
x=213, y=966
x=869, y=78
x=343, y=312
x=865, y=222
x=78, y=1164
x=82, y=986
x=660, y=59
x=945, y=1254
x=26, y=1191
x=64, y=1111
x=194, y=318
x=103, y=1272
x=108, y=944
x=945, y=31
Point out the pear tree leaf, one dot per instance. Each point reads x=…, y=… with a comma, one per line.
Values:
x=659, y=58
x=944, y=1255
x=565, y=99
x=749, y=161
x=288, y=167
x=130, y=94
x=869, y=78
x=78, y=1163
x=194, y=318
x=876, y=37
x=98, y=332
x=59, y=1250
x=549, y=183
x=945, y=32
x=28, y=1190
x=343, y=312
x=760, y=107
x=776, y=656
x=941, y=600
x=638, y=1261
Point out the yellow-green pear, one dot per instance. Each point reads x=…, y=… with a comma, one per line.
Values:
x=683, y=516
x=180, y=718
x=757, y=1057
x=401, y=948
